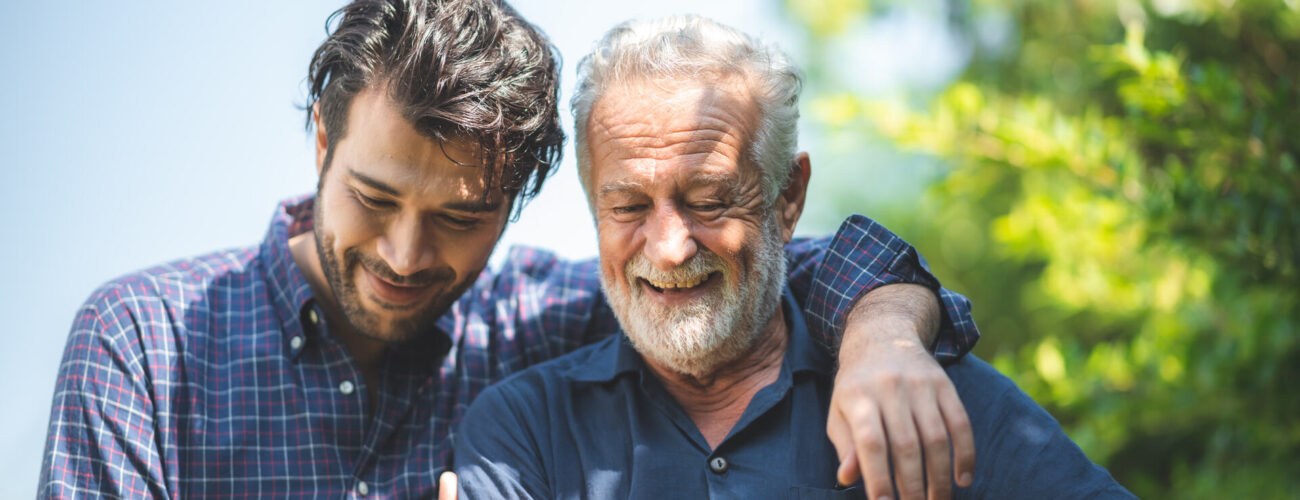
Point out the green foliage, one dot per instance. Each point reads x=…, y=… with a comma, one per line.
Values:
x=1120, y=202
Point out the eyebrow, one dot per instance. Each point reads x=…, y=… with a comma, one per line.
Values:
x=712, y=179
x=474, y=207
x=703, y=179
x=621, y=186
x=373, y=183
x=468, y=206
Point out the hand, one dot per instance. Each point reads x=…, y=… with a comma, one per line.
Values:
x=447, y=486
x=891, y=399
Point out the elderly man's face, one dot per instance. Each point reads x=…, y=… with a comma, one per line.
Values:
x=691, y=255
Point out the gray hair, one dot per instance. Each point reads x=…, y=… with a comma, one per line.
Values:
x=697, y=48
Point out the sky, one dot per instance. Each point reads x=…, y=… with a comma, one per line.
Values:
x=137, y=133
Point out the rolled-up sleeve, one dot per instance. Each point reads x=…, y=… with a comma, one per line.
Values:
x=864, y=255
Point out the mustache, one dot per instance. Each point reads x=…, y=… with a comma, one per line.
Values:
x=427, y=277
x=703, y=262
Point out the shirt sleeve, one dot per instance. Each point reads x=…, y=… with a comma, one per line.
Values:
x=861, y=256
x=101, y=441
x=496, y=456
x=1023, y=452
x=541, y=307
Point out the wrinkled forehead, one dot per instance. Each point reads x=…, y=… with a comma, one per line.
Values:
x=688, y=133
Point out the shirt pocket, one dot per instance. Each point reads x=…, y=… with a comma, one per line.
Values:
x=809, y=493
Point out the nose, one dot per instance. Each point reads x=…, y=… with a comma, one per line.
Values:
x=405, y=247
x=668, y=238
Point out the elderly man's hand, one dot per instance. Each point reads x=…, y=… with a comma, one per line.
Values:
x=892, y=399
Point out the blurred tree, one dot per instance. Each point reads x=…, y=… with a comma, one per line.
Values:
x=1119, y=198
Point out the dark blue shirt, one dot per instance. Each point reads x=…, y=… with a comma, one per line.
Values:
x=598, y=424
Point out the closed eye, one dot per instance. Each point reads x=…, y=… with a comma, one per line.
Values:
x=460, y=223
x=628, y=209
x=373, y=203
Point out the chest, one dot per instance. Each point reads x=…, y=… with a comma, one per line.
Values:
x=777, y=449
x=284, y=424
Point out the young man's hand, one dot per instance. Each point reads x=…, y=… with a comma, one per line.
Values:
x=892, y=400
x=447, y=486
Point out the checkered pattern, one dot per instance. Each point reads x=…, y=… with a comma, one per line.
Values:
x=864, y=255
x=215, y=377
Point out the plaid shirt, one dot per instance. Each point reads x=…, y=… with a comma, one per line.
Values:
x=217, y=377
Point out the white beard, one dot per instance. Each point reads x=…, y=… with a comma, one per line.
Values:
x=698, y=338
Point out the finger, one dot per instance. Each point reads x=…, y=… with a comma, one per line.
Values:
x=934, y=440
x=963, y=440
x=842, y=439
x=848, y=472
x=871, y=449
x=905, y=448
x=447, y=486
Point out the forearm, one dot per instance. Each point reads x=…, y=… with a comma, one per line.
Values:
x=893, y=313
x=864, y=256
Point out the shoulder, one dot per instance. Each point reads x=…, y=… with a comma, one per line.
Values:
x=183, y=277
x=525, y=263
x=161, y=295
x=550, y=384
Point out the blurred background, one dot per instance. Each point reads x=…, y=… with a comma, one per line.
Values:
x=1113, y=183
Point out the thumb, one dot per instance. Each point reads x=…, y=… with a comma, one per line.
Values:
x=447, y=486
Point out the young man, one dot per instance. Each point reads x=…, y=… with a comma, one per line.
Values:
x=334, y=358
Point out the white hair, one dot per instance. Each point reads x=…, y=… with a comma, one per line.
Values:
x=694, y=48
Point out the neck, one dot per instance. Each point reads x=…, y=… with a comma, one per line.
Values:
x=716, y=400
x=366, y=352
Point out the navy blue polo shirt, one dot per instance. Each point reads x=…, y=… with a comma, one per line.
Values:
x=597, y=423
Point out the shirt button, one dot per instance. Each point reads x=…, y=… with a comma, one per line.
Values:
x=346, y=388
x=295, y=343
x=718, y=465
x=363, y=489
x=312, y=317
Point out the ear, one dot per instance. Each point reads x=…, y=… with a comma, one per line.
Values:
x=322, y=139
x=790, y=202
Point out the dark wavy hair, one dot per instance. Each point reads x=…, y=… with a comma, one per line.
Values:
x=457, y=69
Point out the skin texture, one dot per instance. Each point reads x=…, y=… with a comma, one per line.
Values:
x=892, y=402
x=671, y=185
x=381, y=259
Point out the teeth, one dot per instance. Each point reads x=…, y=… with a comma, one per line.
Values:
x=685, y=284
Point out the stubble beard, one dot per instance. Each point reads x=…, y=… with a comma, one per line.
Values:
x=704, y=335
x=341, y=274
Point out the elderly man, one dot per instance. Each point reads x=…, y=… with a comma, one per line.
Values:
x=686, y=136
x=334, y=358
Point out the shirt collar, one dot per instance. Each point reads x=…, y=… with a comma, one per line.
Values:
x=617, y=356
x=295, y=300
x=286, y=284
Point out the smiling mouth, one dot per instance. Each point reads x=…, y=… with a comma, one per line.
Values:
x=670, y=287
x=392, y=296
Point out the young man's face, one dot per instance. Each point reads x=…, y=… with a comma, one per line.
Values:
x=401, y=225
